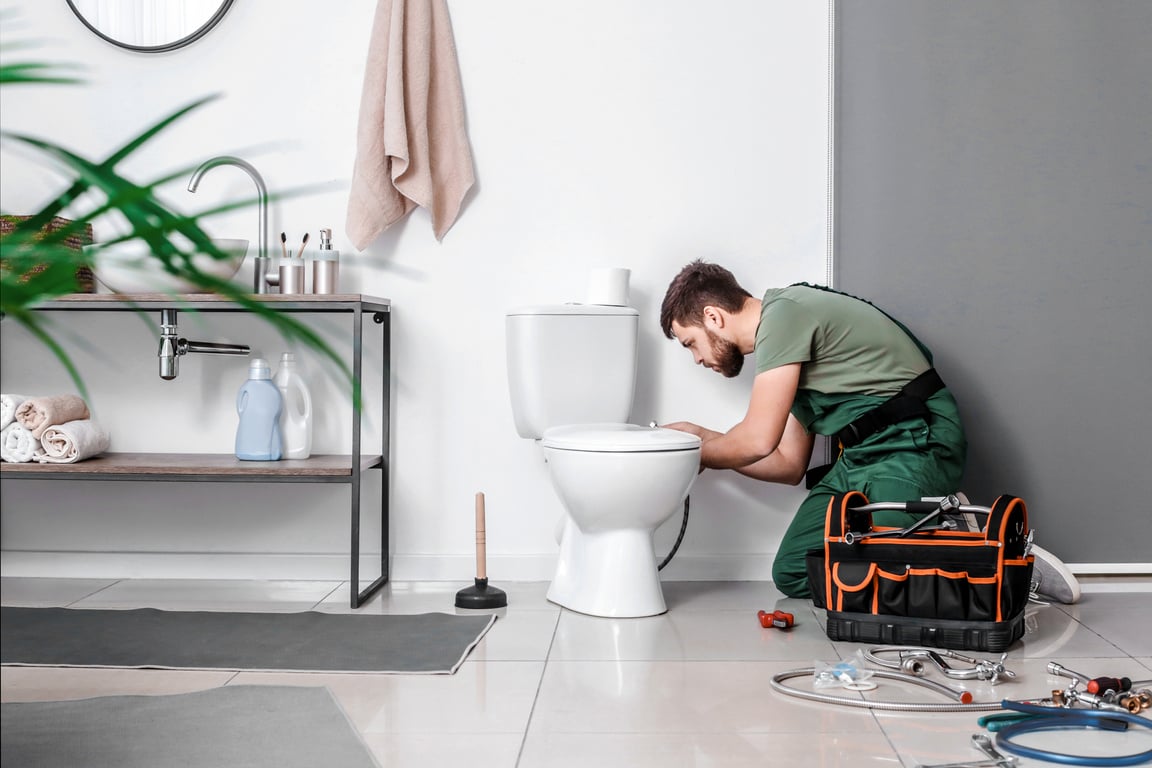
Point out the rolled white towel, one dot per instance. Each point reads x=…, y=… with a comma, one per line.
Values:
x=8, y=406
x=17, y=444
x=72, y=442
x=36, y=414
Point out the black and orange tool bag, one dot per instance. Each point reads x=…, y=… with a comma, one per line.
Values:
x=934, y=583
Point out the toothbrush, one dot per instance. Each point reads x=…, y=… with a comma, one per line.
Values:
x=302, y=244
x=284, y=244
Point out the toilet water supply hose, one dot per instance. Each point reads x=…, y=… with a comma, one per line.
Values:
x=680, y=538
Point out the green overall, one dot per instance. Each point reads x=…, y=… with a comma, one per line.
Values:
x=854, y=357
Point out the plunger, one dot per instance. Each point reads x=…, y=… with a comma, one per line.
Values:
x=480, y=595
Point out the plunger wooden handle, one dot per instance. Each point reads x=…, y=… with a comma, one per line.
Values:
x=481, y=546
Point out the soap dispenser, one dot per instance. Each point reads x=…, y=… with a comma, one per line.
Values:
x=326, y=266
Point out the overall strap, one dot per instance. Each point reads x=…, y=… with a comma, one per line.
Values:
x=919, y=344
x=909, y=402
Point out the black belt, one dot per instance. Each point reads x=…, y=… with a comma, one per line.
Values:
x=910, y=402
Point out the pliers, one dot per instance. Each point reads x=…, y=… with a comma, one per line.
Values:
x=779, y=619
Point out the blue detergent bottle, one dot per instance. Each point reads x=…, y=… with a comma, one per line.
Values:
x=259, y=404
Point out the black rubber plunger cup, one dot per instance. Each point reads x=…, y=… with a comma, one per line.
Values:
x=481, y=595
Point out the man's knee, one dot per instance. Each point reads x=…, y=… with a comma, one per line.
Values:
x=790, y=576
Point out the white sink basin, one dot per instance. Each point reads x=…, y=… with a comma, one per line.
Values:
x=130, y=267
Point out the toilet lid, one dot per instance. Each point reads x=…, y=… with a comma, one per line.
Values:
x=618, y=438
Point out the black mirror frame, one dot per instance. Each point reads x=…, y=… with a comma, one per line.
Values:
x=184, y=41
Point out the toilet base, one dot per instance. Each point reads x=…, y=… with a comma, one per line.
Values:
x=607, y=573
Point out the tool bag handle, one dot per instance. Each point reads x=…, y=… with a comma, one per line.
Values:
x=1007, y=519
x=843, y=514
x=841, y=517
x=1008, y=525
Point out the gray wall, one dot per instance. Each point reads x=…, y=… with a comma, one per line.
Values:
x=993, y=182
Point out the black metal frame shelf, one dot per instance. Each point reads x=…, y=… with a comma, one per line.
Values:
x=225, y=468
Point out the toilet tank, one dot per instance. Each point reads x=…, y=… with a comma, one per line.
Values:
x=570, y=364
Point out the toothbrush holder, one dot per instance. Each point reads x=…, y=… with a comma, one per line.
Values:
x=292, y=276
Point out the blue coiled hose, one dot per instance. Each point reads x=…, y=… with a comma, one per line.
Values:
x=1057, y=719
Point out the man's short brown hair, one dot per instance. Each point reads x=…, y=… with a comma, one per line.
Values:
x=700, y=285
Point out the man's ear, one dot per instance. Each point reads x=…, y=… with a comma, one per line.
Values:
x=713, y=317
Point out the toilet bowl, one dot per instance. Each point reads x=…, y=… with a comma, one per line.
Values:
x=618, y=483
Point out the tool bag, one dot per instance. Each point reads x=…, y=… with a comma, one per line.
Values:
x=937, y=585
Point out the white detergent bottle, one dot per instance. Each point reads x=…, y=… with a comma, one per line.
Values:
x=259, y=405
x=296, y=416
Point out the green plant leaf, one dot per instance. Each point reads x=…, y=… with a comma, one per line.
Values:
x=37, y=266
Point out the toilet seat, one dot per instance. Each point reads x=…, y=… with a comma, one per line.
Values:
x=617, y=438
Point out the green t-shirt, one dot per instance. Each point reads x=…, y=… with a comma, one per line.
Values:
x=848, y=349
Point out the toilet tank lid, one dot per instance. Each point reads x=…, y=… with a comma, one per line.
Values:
x=617, y=438
x=572, y=309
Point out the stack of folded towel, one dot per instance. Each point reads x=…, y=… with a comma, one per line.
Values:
x=56, y=429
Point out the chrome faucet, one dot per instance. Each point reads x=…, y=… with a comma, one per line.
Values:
x=260, y=266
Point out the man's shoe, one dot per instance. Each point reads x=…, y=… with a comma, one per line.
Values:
x=1051, y=579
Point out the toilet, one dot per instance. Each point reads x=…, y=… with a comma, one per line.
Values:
x=571, y=376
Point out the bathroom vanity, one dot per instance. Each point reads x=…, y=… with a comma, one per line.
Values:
x=367, y=316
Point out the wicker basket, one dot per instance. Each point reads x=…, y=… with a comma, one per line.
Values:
x=85, y=280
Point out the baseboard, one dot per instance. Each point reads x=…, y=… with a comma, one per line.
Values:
x=183, y=565
x=333, y=567
x=1110, y=569
x=404, y=567
x=265, y=566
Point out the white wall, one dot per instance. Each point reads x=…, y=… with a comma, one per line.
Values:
x=640, y=134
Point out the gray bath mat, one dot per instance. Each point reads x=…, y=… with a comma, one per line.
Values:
x=269, y=642
x=245, y=725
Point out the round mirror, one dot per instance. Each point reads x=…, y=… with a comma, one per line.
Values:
x=150, y=25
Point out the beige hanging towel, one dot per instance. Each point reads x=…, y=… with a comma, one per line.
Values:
x=411, y=143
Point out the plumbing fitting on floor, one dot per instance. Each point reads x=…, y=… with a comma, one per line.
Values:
x=1114, y=708
x=1109, y=693
x=912, y=659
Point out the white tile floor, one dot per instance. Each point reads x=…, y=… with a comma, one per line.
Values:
x=548, y=688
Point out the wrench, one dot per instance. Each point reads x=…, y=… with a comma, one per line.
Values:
x=946, y=504
x=984, y=744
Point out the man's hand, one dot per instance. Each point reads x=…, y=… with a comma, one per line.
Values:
x=703, y=433
x=769, y=443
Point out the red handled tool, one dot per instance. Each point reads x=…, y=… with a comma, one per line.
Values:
x=1101, y=684
x=778, y=619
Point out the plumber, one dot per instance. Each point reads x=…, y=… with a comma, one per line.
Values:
x=829, y=364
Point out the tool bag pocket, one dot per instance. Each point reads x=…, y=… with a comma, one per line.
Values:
x=950, y=579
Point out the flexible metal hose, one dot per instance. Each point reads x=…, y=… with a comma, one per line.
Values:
x=912, y=659
x=889, y=706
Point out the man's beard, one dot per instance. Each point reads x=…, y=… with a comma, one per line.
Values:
x=729, y=360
